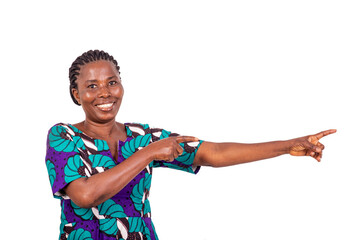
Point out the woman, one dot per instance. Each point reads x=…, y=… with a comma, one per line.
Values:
x=101, y=169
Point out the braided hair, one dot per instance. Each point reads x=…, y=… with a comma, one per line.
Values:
x=87, y=57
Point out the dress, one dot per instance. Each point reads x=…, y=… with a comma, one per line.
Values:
x=71, y=154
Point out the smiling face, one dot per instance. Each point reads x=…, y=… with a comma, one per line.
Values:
x=99, y=91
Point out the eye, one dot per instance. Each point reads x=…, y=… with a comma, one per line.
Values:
x=91, y=86
x=111, y=83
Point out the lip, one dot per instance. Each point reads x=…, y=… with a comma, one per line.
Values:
x=106, y=107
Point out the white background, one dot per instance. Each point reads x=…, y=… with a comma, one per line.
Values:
x=243, y=71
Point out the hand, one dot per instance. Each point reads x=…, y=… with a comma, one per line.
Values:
x=168, y=149
x=309, y=145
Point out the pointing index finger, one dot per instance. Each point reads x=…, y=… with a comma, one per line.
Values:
x=325, y=133
x=181, y=139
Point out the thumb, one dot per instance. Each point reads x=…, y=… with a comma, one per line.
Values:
x=312, y=148
x=179, y=150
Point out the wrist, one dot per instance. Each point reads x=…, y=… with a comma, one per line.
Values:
x=287, y=145
x=148, y=153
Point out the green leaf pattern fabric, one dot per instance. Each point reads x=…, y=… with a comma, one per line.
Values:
x=61, y=139
x=142, y=205
x=101, y=161
x=80, y=234
x=101, y=145
x=72, y=168
x=135, y=144
x=83, y=213
x=111, y=209
x=51, y=171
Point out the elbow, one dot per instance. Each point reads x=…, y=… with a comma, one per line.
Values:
x=215, y=157
x=213, y=162
x=211, y=155
x=84, y=201
x=84, y=196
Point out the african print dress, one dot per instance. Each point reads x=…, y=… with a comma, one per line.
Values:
x=71, y=154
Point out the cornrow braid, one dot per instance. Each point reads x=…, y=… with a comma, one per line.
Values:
x=87, y=57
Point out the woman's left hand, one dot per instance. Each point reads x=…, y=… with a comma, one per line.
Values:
x=310, y=145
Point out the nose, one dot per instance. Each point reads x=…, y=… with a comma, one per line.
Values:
x=104, y=92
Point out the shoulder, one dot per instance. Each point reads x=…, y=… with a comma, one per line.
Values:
x=62, y=129
x=64, y=138
x=137, y=129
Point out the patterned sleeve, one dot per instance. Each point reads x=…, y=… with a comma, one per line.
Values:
x=185, y=161
x=63, y=159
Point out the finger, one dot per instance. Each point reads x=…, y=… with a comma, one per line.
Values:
x=315, y=155
x=320, y=145
x=318, y=156
x=179, y=150
x=171, y=159
x=325, y=133
x=312, y=148
x=175, y=153
x=181, y=139
x=321, y=153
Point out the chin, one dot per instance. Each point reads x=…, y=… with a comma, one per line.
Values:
x=106, y=117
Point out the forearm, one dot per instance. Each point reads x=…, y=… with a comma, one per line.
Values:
x=92, y=191
x=227, y=154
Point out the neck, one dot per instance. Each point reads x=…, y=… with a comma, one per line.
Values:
x=101, y=129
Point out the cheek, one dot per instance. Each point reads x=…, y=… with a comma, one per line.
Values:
x=87, y=96
x=118, y=92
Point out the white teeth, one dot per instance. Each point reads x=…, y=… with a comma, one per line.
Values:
x=107, y=105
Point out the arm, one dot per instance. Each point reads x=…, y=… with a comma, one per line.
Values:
x=94, y=190
x=227, y=154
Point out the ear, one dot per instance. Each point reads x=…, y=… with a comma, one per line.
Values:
x=75, y=93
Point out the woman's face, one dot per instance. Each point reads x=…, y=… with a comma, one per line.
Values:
x=99, y=91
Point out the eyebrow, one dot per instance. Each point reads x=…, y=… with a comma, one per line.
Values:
x=91, y=81
x=94, y=80
x=109, y=78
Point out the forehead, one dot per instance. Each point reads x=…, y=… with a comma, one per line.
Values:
x=97, y=70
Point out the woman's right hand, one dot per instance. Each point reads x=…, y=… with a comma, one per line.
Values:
x=168, y=149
